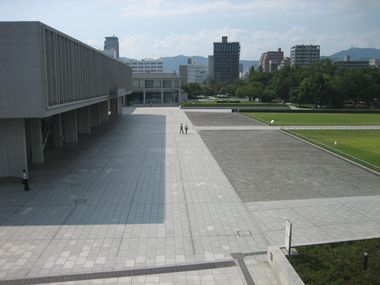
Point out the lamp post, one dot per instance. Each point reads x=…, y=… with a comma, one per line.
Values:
x=365, y=261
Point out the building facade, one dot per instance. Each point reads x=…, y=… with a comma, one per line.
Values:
x=155, y=88
x=301, y=55
x=270, y=60
x=53, y=88
x=193, y=72
x=112, y=43
x=146, y=65
x=226, y=60
x=354, y=64
x=374, y=62
x=210, y=66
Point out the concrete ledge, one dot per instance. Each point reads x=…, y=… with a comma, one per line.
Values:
x=281, y=267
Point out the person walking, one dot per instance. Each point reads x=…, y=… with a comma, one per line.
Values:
x=181, y=129
x=25, y=180
x=186, y=128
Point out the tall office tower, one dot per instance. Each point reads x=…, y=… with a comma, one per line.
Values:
x=112, y=43
x=270, y=60
x=301, y=55
x=210, y=66
x=226, y=60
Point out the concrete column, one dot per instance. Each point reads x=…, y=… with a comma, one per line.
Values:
x=114, y=111
x=95, y=115
x=36, y=141
x=84, y=121
x=13, y=155
x=70, y=127
x=57, y=131
x=103, y=106
x=144, y=96
x=119, y=105
x=162, y=96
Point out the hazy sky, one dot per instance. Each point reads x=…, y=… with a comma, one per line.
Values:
x=155, y=28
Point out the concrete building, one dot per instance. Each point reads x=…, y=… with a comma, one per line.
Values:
x=348, y=64
x=301, y=55
x=226, y=60
x=112, y=43
x=210, y=66
x=146, y=65
x=192, y=72
x=374, y=62
x=270, y=60
x=53, y=88
x=155, y=88
x=285, y=62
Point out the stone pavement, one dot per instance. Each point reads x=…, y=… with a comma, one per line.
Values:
x=134, y=194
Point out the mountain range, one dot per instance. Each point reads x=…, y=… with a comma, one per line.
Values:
x=171, y=63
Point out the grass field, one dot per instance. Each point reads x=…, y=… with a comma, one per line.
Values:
x=338, y=263
x=301, y=119
x=362, y=146
x=233, y=105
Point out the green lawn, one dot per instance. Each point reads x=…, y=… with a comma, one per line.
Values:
x=228, y=104
x=314, y=119
x=338, y=263
x=362, y=146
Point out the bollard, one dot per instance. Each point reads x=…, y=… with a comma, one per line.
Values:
x=365, y=261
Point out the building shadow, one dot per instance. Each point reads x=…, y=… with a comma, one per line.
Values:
x=116, y=175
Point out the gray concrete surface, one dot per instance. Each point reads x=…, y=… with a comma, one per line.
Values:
x=270, y=165
x=220, y=119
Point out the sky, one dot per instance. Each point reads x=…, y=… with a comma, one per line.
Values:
x=158, y=28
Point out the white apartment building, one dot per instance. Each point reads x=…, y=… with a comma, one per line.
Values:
x=146, y=65
x=193, y=72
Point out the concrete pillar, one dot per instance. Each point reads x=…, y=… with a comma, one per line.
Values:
x=57, y=131
x=70, y=127
x=13, y=155
x=144, y=96
x=84, y=121
x=162, y=96
x=114, y=111
x=36, y=141
x=103, y=106
x=119, y=105
x=95, y=115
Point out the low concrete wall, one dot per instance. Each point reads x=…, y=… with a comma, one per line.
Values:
x=281, y=267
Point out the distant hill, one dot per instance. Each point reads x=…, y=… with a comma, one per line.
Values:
x=172, y=63
x=357, y=54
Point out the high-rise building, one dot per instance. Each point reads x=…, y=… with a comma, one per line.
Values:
x=301, y=55
x=112, y=43
x=211, y=66
x=226, y=60
x=147, y=65
x=192, y=72
x=270, y=60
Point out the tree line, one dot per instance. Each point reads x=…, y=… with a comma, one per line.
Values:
x=319, y=84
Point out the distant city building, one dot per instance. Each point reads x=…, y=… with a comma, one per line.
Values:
x=348, y=64
x=211, y=66
x=270, y=60
x=374, y=63
x=301, y=55
x=193, y=72
x=155, y=88
x=226, y=60
x=146, y=65
x=112, y=43
x=110, y=52
x=285, y=62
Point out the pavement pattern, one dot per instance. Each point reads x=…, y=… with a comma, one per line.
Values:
x=134, y=194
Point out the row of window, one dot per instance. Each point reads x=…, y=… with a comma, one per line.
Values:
x=155, y=83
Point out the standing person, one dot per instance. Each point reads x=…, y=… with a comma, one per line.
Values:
x=181, y=129
x=25, y=180
x=186, y=128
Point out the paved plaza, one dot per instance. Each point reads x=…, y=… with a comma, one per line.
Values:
x=138, y=199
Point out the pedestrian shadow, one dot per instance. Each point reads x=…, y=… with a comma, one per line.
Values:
x=116, y=175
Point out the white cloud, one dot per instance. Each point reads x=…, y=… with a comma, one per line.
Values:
x=253, y=43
